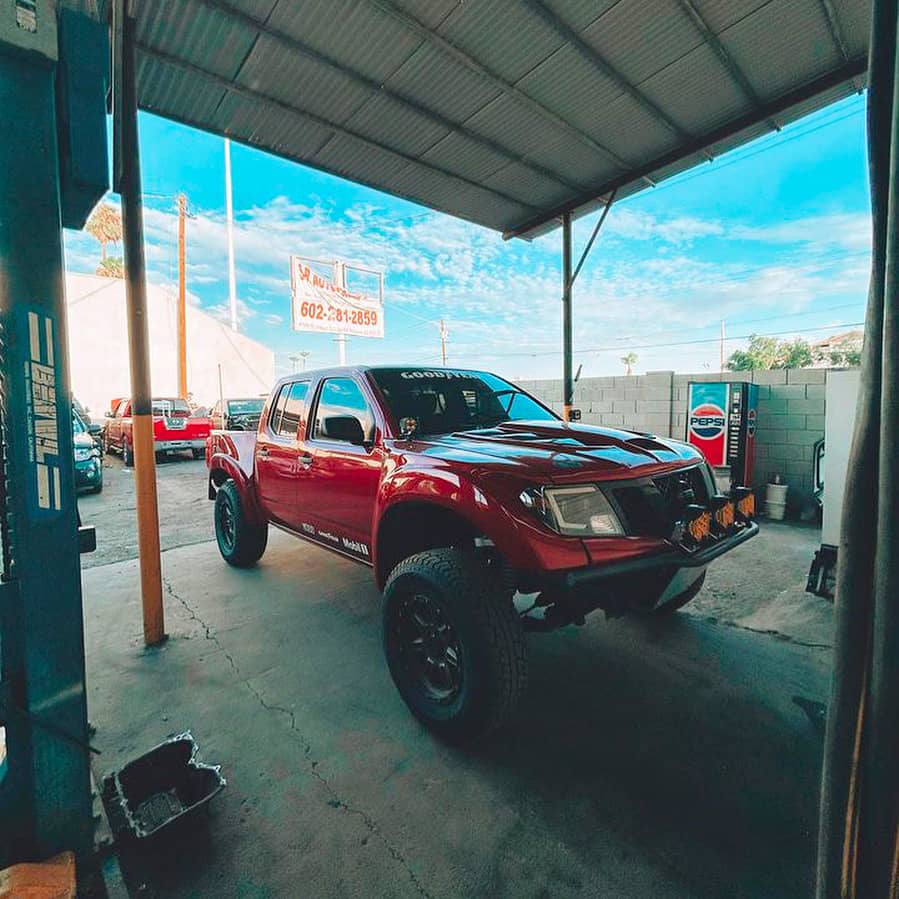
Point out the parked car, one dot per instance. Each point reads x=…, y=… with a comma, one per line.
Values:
x=460, y=491
x=88, y=459
x=237, y=414
x=175, y=429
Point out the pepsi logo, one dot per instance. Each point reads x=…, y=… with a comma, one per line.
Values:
x=707, y=421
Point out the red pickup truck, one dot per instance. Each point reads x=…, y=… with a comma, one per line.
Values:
x=175, y=429
x=481, y=513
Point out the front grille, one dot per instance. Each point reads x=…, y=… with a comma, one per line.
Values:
x=651, y=507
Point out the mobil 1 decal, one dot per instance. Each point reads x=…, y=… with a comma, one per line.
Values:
x=707, y=420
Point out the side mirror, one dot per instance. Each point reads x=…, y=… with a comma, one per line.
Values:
x=345, y=427
x=408, y=427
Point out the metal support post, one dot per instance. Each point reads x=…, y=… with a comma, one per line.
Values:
x=567, y=377
x=138, y=341
x=45, y=797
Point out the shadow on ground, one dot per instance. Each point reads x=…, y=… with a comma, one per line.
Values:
x=647, y=760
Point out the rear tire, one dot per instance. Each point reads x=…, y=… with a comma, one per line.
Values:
x=240, y=542
x=454, y=644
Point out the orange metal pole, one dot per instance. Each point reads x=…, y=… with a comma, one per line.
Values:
x=182, y=301
x=138, y=342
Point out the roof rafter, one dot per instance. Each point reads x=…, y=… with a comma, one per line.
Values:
x=724, y=56
x=836, y=32
x=602, y=65
x=379, y=89
x=852, y=69
x=260, y=97
x=500, y=83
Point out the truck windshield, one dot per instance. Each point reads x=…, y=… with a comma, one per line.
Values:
x=245, y=407
x=171, y=408
x=447, y=400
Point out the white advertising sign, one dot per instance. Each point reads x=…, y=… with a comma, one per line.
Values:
x=320, y=305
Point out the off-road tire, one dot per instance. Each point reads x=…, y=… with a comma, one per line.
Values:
x=127, y=454
x=243, y=547
x=678, y=602
x=488, y=632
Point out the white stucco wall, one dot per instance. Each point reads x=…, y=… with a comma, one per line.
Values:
x=98, y=347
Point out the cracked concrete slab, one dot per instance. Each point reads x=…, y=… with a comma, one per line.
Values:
x=648, y=758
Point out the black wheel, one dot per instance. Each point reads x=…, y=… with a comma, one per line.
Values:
x=98, y=487
x=127, y=454
x=198, y=453
x=679, y=601
x=240, y=542
x=454, y=643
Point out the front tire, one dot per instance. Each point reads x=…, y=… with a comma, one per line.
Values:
x=198, y=453
x=240, y=542
x=454, y=644
x=127, y=454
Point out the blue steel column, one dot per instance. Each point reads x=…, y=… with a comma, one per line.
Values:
x=45, y=801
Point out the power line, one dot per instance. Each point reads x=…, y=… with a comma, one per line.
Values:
x=617, y=349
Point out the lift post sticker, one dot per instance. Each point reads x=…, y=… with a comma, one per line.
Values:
x=42, y=417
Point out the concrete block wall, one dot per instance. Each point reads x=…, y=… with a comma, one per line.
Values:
x=790, y=417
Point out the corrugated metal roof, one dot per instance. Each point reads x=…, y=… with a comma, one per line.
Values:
x=504, y=112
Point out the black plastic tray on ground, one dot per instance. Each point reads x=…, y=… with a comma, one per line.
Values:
x=160, y=787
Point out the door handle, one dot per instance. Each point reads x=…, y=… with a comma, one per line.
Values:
x=263, y=451
x=305, y=460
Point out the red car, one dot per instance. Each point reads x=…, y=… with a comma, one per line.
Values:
x=481, y=514
x=175, y=429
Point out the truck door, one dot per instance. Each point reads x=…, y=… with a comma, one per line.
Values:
x=277, y=449
x=340, y=468
x=114, y=431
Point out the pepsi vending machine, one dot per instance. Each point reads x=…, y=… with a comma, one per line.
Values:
x=721, y=418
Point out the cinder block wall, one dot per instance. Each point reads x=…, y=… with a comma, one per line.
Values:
x=790, y=421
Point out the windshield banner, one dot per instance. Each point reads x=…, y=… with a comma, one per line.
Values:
x=320, y=305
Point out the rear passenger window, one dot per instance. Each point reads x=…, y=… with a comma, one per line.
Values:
x=291, y=405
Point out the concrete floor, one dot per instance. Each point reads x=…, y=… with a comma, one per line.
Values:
x=648, y=759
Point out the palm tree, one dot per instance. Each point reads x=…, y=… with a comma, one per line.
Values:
x=628, y=361
x=105, y=226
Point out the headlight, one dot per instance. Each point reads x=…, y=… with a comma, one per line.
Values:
x=581, y=511
x=83, y=453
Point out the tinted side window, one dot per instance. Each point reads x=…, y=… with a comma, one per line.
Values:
x=341, y=397
x=278, y=408
x=293, y=409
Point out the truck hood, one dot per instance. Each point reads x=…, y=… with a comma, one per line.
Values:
x=562, y=452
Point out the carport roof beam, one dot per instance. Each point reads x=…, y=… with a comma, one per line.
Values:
x=381, y=89
x=729, y=63
x=506, y=87
x=259, y=97
x=845, y=73
x=602, y=65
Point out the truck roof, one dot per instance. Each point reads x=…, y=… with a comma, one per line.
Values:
x=360, y=369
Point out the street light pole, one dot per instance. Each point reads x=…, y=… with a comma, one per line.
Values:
x=182, y=301
x=229, y=204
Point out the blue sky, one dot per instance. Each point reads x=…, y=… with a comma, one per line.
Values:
x=773, y=237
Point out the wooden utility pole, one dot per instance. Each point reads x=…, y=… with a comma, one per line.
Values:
x=182, y=301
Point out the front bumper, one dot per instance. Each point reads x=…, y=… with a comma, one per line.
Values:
x=88, y=474
x=172, y=446
x=674, y=559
